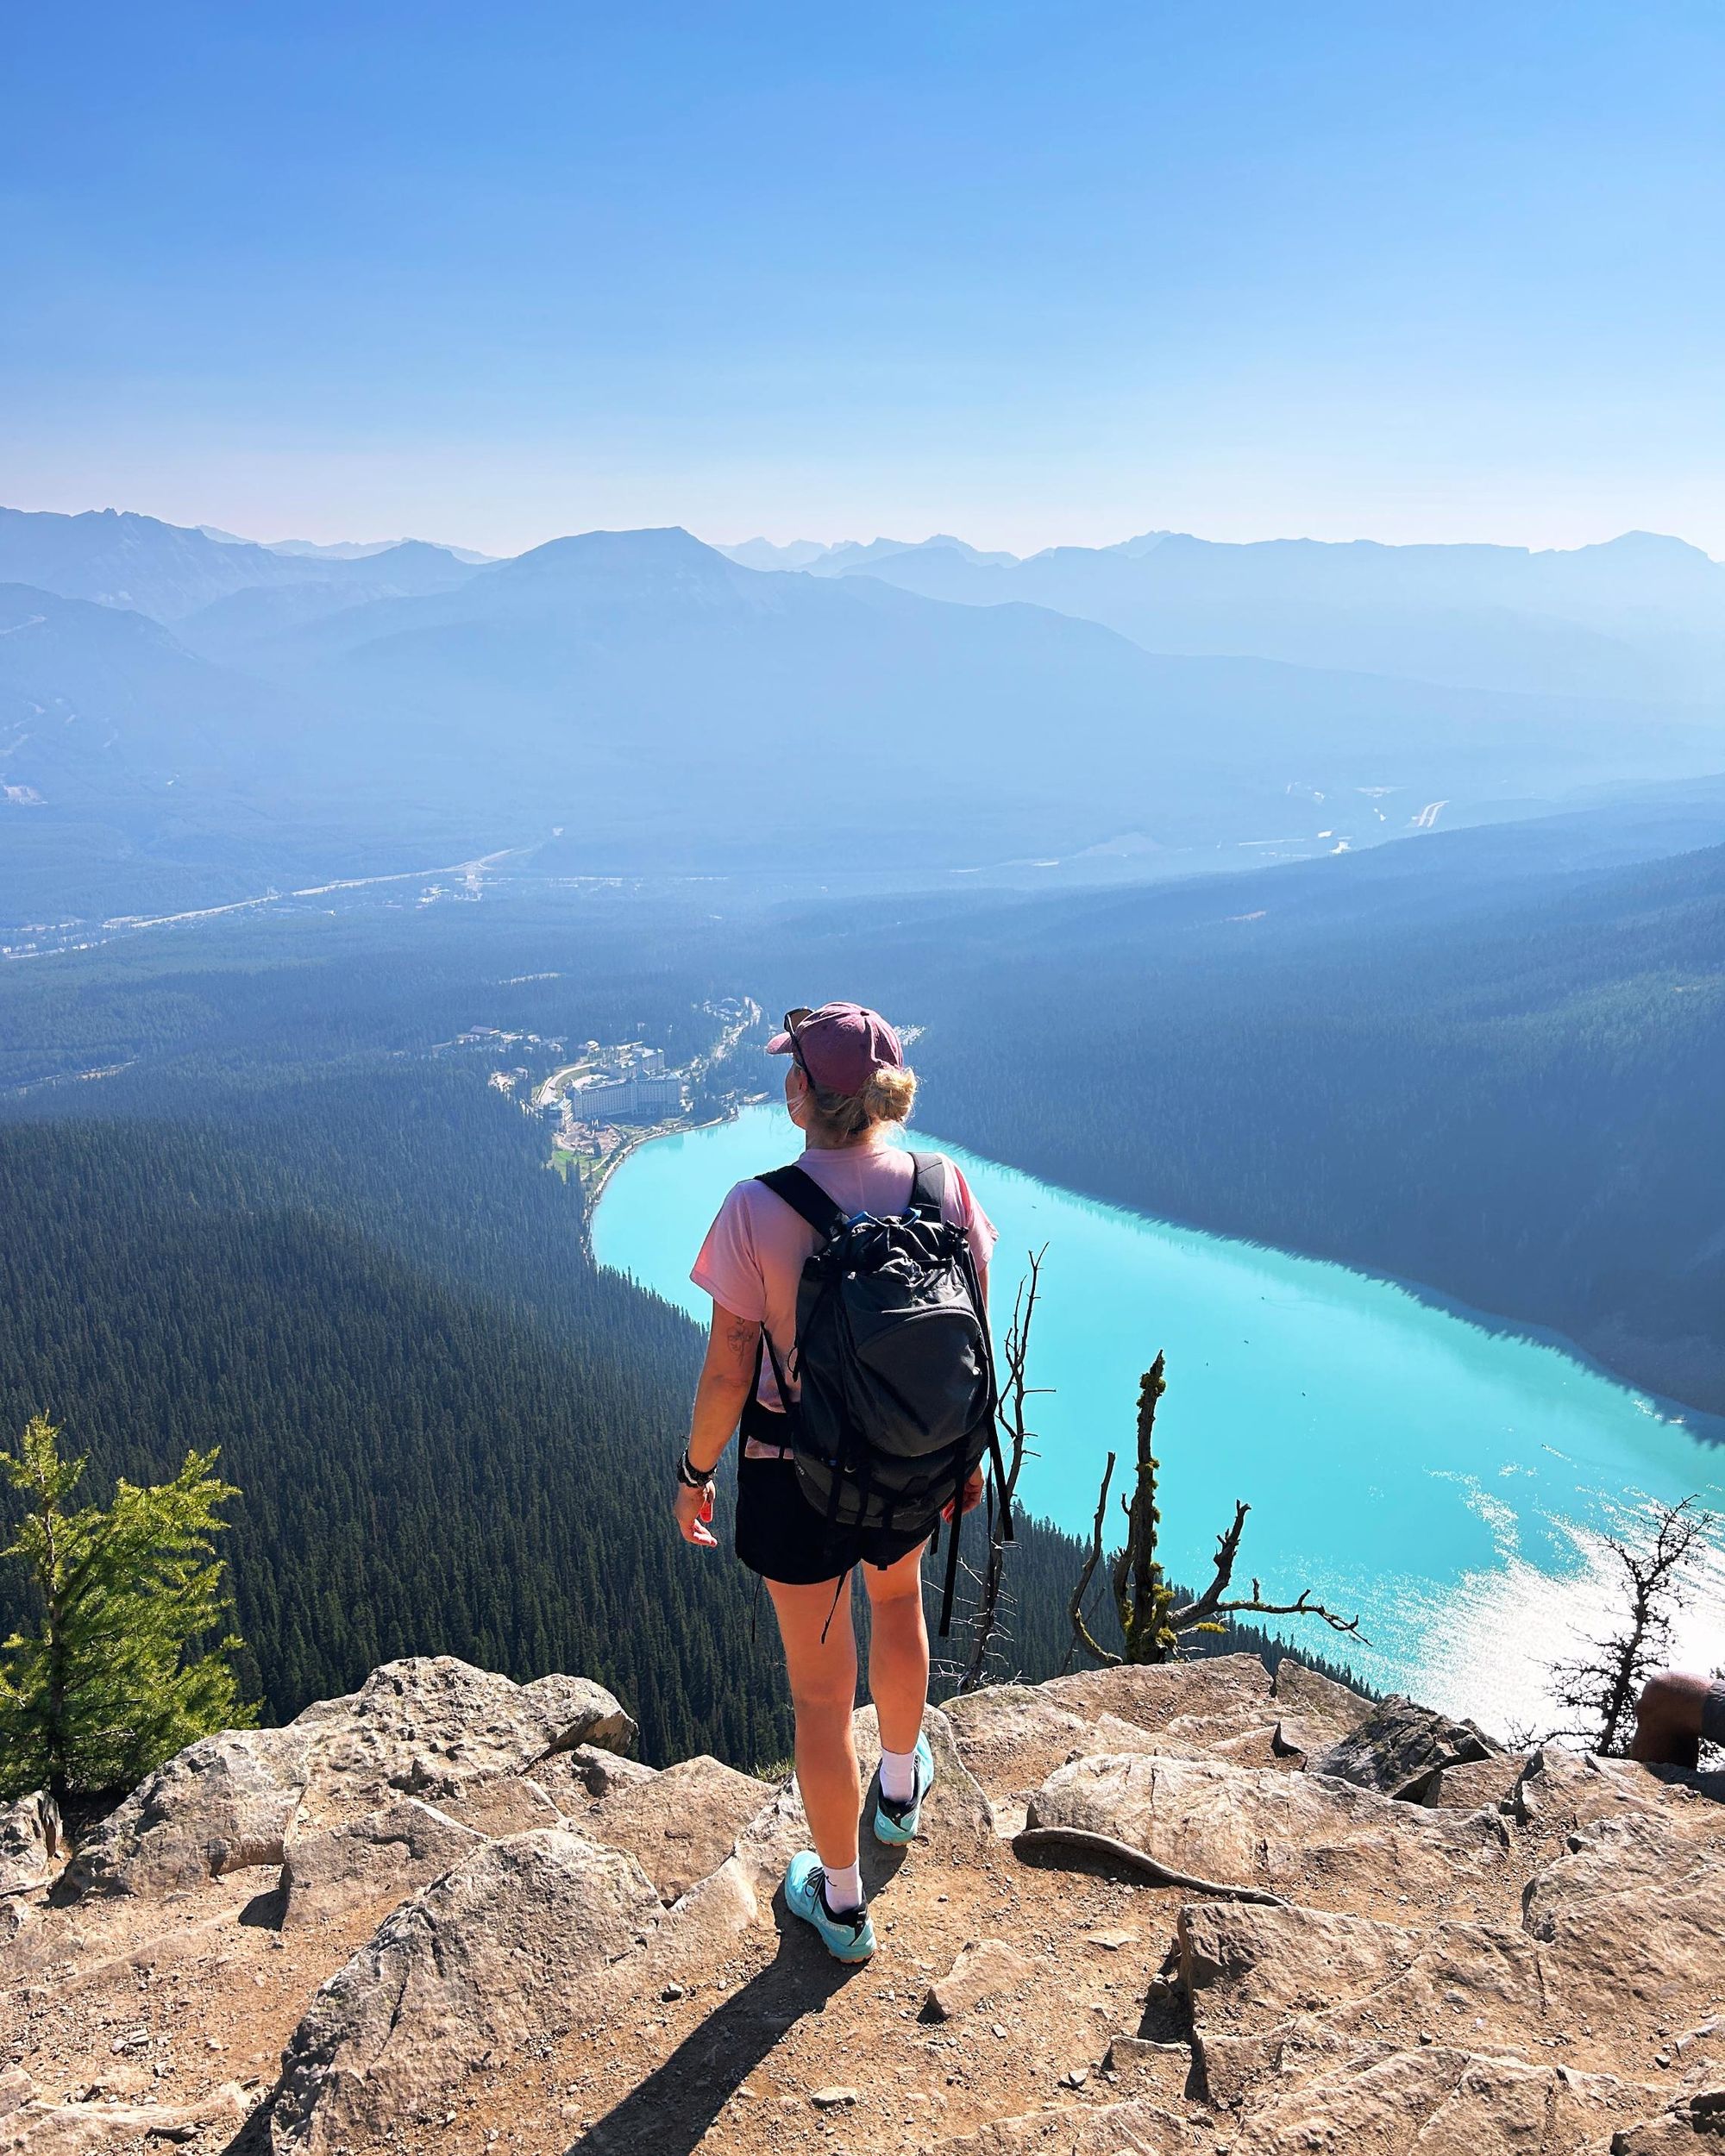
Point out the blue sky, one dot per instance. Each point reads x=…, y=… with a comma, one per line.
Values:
x=1033, y=273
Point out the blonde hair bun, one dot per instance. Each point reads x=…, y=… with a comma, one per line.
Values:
x=885, y=1097
x=889, y=1094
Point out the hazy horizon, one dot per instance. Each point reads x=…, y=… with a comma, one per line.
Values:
x=724, y=539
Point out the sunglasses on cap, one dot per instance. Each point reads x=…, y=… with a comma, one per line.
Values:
x=792, y=1020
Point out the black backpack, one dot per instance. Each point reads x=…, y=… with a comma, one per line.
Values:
x=894, y=1362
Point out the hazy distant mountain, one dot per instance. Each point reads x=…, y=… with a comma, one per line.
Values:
x=1640, y=617
x=646, y=691
x=846, y=553
x=362, y=550
x=764, y=553
x=228, y=628
x=850, y=554
x=338, y=550
x=117, y=558
x=103, y=708
x=134, y=776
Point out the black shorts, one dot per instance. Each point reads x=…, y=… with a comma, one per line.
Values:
x=782, y=1537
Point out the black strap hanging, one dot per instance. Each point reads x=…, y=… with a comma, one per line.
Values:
x=951, y=1588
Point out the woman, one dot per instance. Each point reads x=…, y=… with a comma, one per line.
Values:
x=848, y=1090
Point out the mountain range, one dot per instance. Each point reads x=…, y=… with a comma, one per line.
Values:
x=1641, y=616
x=175, y=705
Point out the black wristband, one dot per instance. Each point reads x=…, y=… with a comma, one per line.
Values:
x=689, y=1475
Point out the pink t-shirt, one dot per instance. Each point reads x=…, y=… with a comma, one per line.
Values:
x=754, y=1253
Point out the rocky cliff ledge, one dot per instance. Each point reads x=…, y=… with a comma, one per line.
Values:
x=449, y=1912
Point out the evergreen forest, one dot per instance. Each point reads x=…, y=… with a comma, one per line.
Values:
x=1429, y=1061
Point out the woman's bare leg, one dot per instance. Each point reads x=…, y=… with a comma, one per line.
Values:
x=823, y=1693
x=898, y=1650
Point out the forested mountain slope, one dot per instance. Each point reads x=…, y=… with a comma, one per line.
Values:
x=1505, y=1087
x=422, y=1462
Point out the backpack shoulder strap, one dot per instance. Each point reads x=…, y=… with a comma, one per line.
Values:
x=803, y=1194
x=928, y=1186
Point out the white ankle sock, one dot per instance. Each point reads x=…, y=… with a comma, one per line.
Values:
x=844, y=1888
x=898, y=1776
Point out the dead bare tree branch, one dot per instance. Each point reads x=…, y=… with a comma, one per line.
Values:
x=1013, y=1418
x=1605, y=1685
x=1153, y=1621
x=1081, y=1631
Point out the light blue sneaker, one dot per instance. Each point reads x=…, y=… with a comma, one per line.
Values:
x=847, y=1934
x=898, y=1823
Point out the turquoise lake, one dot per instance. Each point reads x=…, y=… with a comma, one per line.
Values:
x=1451, y=1484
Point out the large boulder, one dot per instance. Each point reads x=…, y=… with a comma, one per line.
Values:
x=1694, y=2125
x=1402, y=1748
x=1012, y=1736
x=1281, y=1993
x=501, y=1954
x=1300, y=1834
x=739, y=1894
x=222, y=1804
x=679, y=1825
x=428, y=1726
x=1441, y=2100
x=592, y=1770
x=1312, y=1711
x=30, y=1842
x=1634, y=1914
x=1560, y=1791
x=381, y=1855
x=1194, y=1706
x=1248, y=1970
x=1471, y=1782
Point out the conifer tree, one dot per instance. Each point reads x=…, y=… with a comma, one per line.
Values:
x=120, y=1672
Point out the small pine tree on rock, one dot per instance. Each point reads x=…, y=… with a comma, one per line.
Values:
x=125, y=1667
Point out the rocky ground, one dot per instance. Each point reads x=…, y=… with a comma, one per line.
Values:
x=449, y=1914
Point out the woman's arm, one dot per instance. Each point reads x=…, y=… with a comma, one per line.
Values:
x=727, y=1375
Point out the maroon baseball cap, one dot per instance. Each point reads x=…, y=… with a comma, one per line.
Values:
x=838, y=1046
